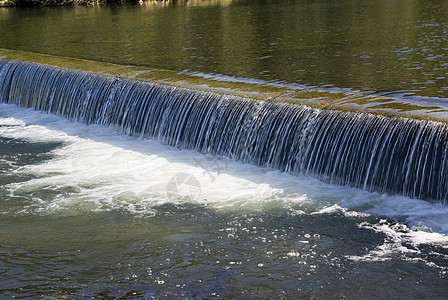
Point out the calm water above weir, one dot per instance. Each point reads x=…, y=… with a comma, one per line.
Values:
x=385, y=46
x=86, y=211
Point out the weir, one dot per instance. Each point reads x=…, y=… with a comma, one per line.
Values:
x=379, y=153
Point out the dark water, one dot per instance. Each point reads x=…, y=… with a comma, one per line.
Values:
x=385, y=46
x=189, y=251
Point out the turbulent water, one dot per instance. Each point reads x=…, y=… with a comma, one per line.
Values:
x=376, y=153
x=112, y=188
x=90, y=212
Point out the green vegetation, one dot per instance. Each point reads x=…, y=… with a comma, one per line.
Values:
x=27, y=3
x=40, y=3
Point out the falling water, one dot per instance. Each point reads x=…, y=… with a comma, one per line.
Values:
x=373, y=152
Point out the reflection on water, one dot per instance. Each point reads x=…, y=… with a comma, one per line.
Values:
x=84, y=211
x=382, y=45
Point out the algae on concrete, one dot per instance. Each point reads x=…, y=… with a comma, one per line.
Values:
x=265, y=91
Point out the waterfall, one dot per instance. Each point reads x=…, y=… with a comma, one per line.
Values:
x=377, y=153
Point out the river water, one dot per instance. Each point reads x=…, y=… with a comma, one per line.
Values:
x=385, y=46
x=88, y=212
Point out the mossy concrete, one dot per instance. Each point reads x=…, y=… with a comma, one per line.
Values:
x=433, y=109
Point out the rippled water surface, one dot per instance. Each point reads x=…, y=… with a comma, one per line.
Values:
x=88, y=212
x=386, y=46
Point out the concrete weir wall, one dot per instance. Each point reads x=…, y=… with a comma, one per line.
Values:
x=381, y=144
x=435, y=109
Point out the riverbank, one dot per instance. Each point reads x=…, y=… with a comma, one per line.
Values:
x=40, y=3
x=29, y=3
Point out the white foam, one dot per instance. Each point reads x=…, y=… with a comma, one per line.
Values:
x=404, y=243
x=98, y=168
x=101, y=169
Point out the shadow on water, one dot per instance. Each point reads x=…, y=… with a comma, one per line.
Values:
x=16, y=153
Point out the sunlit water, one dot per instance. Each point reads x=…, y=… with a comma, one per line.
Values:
x=86, y=211
x=385, y=46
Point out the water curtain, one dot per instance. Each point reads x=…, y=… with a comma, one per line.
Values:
x=377, y=153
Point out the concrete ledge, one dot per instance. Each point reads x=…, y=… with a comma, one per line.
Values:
x=397, y=106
